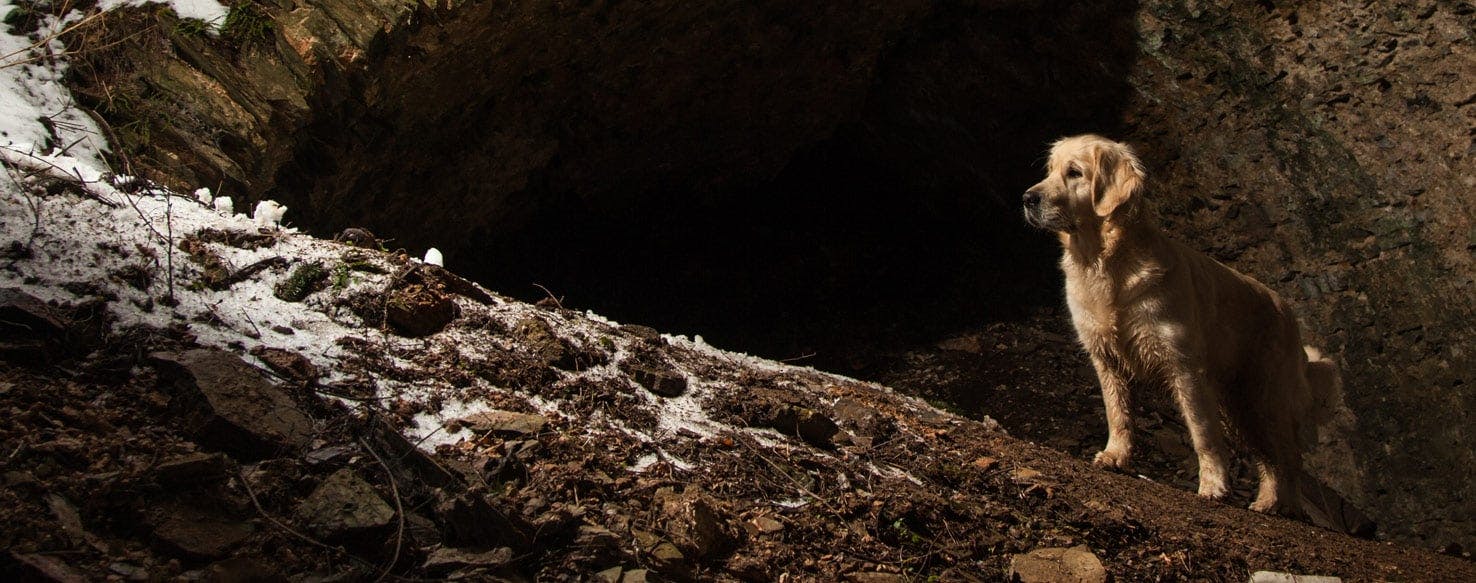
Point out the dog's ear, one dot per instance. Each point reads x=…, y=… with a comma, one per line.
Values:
x=1117, y=176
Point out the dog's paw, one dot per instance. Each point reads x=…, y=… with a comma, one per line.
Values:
x=1111, y=459
x=1213, y=489
x=1278, y=507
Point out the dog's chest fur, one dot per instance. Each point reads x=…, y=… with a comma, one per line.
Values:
x=1119, y=314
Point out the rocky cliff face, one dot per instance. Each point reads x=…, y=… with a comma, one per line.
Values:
x=1328, y=151
x=864, y=161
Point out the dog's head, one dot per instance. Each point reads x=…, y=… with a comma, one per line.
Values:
x=1088, y=180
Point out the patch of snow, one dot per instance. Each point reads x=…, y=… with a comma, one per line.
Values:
x=886, y=471
x=429, y=429
x=768, y=437
x=644, y=462
x=268, y=214
x=210, y=11
x=685, y=412
x=544, y=406
x=699, y=345
x=593, y=317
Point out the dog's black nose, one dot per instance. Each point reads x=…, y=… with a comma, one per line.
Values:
x=1031, y=198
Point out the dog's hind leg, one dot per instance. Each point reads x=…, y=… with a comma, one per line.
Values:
x=1199, y=404
x=1277, y=492
x=1273, y=441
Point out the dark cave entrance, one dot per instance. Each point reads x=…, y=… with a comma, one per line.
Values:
x=891, y=220
x=839, y=255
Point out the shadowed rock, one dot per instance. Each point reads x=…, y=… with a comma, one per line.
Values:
x=344, y=506
x=230, y=405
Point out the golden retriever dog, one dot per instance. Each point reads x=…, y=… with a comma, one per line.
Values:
x=1148, y=309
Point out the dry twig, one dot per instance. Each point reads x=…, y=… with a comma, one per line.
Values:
x=399, y=510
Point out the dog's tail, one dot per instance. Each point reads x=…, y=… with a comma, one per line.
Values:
x=1326, y=387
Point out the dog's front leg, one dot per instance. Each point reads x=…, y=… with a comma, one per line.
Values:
x=1119, y=450
x=1198, y=402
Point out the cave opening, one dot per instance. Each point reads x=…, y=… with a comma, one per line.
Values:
x=782, y=192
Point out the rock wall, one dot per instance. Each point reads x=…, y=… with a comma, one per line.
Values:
x=1323, y=149
x=1327, y=150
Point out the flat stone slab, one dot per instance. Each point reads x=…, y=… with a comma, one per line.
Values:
x=1277, y=577
x=447, y=558
x=505, y=422
x=664, y=382
x=1058, y=565
x=233, y=407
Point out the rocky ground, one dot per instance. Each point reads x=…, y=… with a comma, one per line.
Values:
x=368, y=416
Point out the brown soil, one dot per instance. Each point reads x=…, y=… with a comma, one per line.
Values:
x=1033, y=378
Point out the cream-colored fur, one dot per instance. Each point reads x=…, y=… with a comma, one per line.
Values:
x=1148, y=308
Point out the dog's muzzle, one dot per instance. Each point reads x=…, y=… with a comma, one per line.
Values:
x=1031, y=202
x=1044, y=216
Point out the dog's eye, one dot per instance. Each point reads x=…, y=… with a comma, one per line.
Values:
x=1073, y=172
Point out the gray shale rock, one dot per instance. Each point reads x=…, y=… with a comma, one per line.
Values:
x=288, y=364
x=417, y=310
x=539, y=338
x=194, y=468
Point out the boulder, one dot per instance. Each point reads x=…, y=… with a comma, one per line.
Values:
x=412, y=466
x=231, y=406
x=193, y=468
x=287, y=364
x=539, y=339
x=469, y=520
x=417, y=310
x=38, y=567
x=344, y=506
